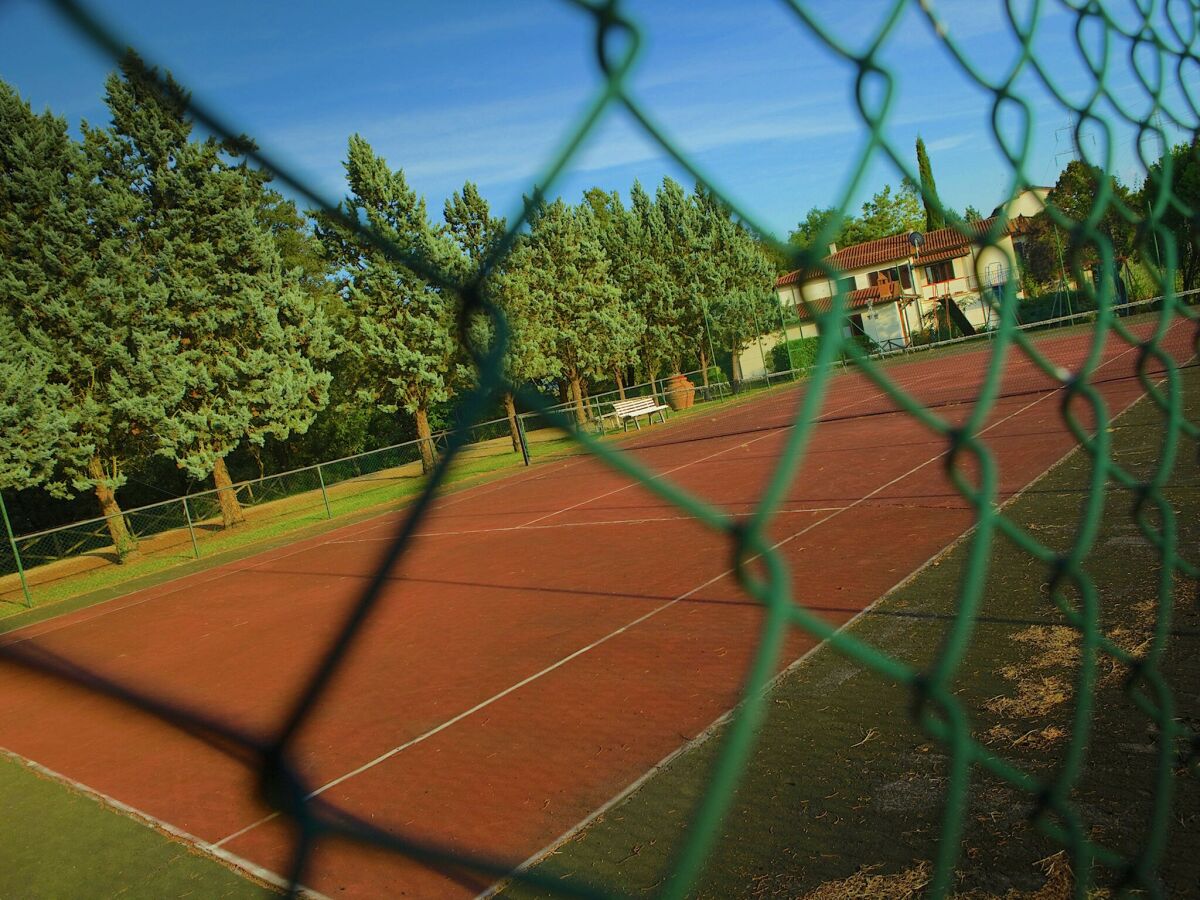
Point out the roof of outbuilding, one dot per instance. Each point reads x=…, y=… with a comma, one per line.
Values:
x=854, y=300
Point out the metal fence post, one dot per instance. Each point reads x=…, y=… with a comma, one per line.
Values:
x=324, y=495
x=522, y=439
x=12, y=542
x=187, y=513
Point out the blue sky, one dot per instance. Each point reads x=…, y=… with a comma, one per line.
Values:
x=451, y=91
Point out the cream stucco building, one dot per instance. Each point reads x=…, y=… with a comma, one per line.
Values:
x=894, y=288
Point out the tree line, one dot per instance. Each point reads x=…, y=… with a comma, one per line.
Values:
x=1087, y=207
x=162, y=303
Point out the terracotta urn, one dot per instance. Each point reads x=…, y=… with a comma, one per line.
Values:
x=680, y=392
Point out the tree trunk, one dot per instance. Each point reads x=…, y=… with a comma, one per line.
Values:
x=620, y=384
x=118, y=529
x=737, y=366
x=425, y=437
x=577, y=397
x=231, y=510
x=704, y=367
x=510, y=410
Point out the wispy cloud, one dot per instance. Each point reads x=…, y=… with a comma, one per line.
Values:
x=951, y=141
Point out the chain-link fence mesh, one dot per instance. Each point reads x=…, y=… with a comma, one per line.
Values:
x=1161, y=40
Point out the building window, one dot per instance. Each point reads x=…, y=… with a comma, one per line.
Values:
x=846, y=284
x=943, y=271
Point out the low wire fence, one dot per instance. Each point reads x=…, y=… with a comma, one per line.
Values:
x=58, y=563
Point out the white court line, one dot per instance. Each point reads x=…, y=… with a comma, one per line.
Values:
x=437, y=729
x=771, y=432
x=675, y=432
x=643, y=520
x=718, y=722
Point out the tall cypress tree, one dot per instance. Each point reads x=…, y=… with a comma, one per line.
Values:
x=253, y=344
x=934, y=215
x=404, y=327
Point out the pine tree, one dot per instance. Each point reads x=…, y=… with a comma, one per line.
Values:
x=471, y=224
x=253, y=344
x=404, y=327
x=934, y=216
x=740, y=298
x=561, y=269
x=476, y=232
x=615, y=229
x=654, y=281
x=36, y=424
x=694, y=271
x=75, y=298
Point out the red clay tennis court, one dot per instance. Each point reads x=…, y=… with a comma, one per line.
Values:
x=548, y=639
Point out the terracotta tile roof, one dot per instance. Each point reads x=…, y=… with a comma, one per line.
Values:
x=1019, y=225
x=928, y=259
x=854, y=300
x=938, y=245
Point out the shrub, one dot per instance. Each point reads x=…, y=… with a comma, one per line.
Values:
x=803, y=352
x=798, y=353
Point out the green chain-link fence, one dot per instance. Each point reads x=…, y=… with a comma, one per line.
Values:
x=1161, y=40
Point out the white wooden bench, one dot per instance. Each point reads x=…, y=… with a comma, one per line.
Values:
x=624, y=410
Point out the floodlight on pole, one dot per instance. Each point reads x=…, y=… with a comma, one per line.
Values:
x=916, y=240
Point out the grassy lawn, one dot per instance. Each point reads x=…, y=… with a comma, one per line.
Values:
x=844, y=795
x=280, y=522
x=61, y=843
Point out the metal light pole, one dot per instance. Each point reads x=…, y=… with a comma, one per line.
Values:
x=786, y=341
x=761, y=352
x=916, y=240
x=712, y=353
